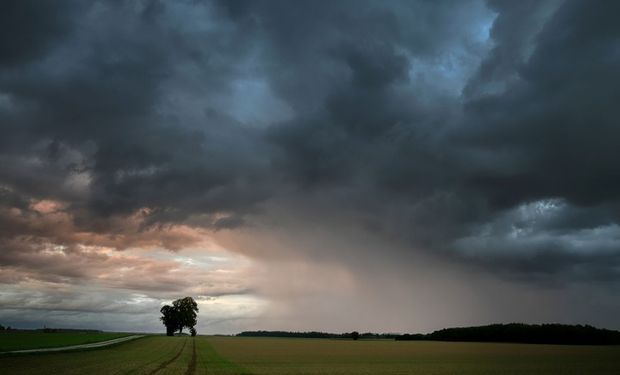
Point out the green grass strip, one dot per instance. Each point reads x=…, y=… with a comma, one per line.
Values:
x=216, y=364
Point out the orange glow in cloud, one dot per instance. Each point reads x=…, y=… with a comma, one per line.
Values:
x=47, y=206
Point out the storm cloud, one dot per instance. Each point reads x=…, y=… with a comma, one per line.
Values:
x=382, y=145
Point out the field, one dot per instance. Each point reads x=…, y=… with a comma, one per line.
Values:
x=30, y=340
x=230, y=355
x=315, y=356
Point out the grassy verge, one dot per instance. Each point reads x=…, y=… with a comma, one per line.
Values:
x=215, y=363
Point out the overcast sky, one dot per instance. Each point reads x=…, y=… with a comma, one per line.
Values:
x=392, y=166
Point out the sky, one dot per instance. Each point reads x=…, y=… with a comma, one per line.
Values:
x=386, y=166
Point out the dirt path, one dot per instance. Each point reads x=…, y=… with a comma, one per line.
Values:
x=76, y=347
x=191, y=368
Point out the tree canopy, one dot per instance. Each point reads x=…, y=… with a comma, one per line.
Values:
x=182, y=314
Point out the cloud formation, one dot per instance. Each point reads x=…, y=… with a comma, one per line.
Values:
x=340, y=139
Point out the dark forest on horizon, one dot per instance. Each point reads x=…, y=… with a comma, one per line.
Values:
x=563, y=334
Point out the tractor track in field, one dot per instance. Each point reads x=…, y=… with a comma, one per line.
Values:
x=191, y=368
x=163, y=365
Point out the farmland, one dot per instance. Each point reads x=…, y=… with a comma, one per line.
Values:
x=36, y=339
x=340, y=357
x=233, y=355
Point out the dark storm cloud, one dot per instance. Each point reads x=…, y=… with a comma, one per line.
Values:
x=514, y=32
x=562, y=138
x=404, y=115
x=29, y=28
x=554, y=131
x=347, y=75
x=94, y=105
x=539, y=123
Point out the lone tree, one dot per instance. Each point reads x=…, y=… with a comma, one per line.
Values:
x=182, y=314
x=170, y=319
x=355, y=335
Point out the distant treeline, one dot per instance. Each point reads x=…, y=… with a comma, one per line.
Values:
x=50, y=330
x=524, y=333
x=317, y=335
x=513, y=332
x=68, y=330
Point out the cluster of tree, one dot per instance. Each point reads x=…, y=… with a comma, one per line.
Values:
x=181, y=314
x=319, y=335
x=371, y=335
x=524, y=333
